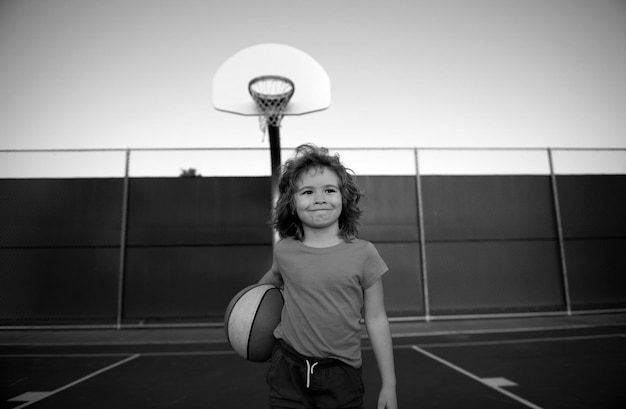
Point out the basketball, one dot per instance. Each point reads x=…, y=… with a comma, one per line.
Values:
x=250, y=320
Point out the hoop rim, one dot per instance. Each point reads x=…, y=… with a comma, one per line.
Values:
x=256, y=94
x=272, y=106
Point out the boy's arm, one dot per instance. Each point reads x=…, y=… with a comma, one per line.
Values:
x=273, y=278
x=377, y=326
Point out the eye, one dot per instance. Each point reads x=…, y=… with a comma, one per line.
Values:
x=306, y=192
x=331, y=190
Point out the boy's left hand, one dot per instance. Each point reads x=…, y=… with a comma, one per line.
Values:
x=387, y=398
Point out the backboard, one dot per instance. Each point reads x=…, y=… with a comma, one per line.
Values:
x=310, y=80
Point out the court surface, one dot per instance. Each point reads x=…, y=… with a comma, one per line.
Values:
x=557, y=362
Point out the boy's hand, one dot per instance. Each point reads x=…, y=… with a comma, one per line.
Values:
x=387, y=398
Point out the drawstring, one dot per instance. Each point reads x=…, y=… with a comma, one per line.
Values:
x=311, y=362
x=309, y=372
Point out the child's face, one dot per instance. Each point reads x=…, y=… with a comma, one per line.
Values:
x=318, y=199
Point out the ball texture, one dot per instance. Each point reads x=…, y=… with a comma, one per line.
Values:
x=250, y=320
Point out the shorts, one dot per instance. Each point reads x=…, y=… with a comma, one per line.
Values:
x=300, y=382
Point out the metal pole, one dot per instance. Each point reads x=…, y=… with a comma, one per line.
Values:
x=559, y=226
x=420, y=222
x=274, y=137
x=124, y=227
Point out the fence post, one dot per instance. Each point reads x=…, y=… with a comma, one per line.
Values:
x=124, y=228
x=559, y=226
x=422, y=238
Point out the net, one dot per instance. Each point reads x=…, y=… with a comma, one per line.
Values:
x=272, y=94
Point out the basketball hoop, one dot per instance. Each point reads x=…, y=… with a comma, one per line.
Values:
x=271, y=94
x=274, y=69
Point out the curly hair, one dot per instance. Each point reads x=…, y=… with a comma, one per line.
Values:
x=286, y=221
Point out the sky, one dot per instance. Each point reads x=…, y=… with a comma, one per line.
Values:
x=121, y=74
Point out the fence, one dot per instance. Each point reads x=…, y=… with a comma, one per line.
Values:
x=124, y=240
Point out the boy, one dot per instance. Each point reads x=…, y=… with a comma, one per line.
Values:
x=330, y=279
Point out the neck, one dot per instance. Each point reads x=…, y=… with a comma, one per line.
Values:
x=321, y=237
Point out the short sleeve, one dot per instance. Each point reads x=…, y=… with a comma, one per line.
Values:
x=374, y=266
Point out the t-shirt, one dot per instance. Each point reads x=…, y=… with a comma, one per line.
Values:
x=324, y=291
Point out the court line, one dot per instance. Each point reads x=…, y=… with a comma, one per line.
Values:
x=520, y=341
x=190, y=353
x=76, y=382
x=107, y=354
x=65, y=355
x=110, y=343
x=476, y=378
x=395, y=335
x=364, y=348
x=416, y=334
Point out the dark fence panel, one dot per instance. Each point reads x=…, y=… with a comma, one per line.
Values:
x=494, y=277
x=475, y=208
x=59, y=285
x=390, y=208
x=593, y=212
x=189, y=283
x=596, y=271
x=60, y=212
x=193, y=243
x=390, y=220
x=59, y=250
x=199, y=211
x=491, y=244
x=402, y=284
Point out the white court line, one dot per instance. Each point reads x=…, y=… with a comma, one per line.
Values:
x=64, y=355
x=499, y=330
x=190, y=353
x=364, y=348
x=477, y=378
x=106, y=354
x=520, y=341
x=69, y=385
x=109, y=343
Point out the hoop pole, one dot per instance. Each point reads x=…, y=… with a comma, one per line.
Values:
x=123, y=234
x=422, y=229
x=274, y=137
x=559, y=229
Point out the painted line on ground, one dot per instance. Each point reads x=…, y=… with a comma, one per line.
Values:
x=33, y=397
x=218, y=339
x=417, y=334
x=519, y=341
x=106, y=354
x=365, y=347
x=109, y=343
x=488, y=382
x=65, y=355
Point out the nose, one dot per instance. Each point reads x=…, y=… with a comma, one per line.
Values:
x=319, y=198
